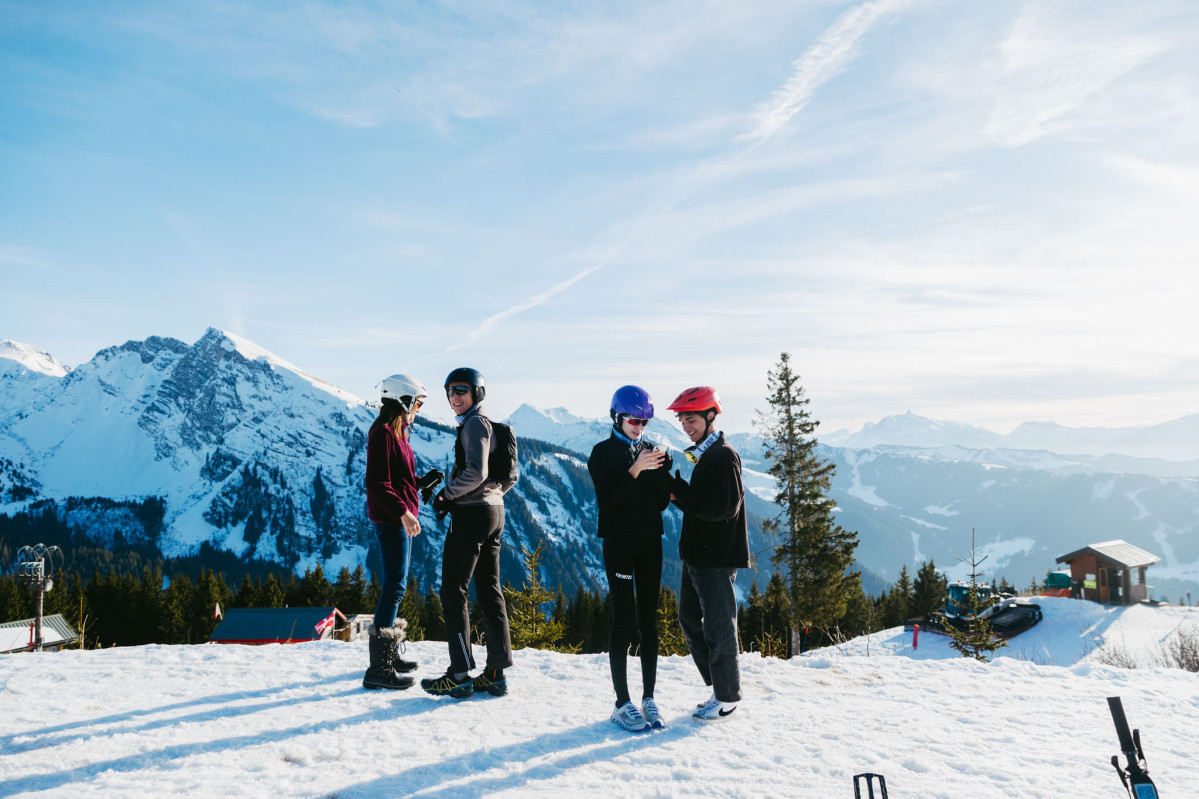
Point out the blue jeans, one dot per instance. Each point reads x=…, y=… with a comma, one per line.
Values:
x=395, y=549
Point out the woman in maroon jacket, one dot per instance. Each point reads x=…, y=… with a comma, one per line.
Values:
x=392, y=491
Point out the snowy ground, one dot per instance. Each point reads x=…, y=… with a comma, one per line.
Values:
x=294, y=721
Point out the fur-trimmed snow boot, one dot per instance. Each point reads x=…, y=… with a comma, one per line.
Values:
x=380, y=674
x=395, y=636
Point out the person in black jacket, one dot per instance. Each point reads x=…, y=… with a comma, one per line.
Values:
x=714, y=543
x=474, y=499
x=632, y=488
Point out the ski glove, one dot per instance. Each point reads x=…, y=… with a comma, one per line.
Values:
x=427, y=483
x=441, y=505
x=667, y=462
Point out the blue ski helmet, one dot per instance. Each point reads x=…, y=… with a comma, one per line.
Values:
x=472, y=377
x=632, y=401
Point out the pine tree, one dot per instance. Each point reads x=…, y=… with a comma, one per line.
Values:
x=896, y=607
x=976, y=640
x=175, y=603
x=312, y=591
x=432, y=617
x=670, y=634
x=527, y=622
x=210, y=591
x=928, y=591
x=272, y=595
x=410, y=611
x=349, y=590
x=815, y=553
x=247, y=593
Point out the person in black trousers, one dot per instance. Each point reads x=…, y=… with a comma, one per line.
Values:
x=475, y=501
x=632, y=488
x=713, y=544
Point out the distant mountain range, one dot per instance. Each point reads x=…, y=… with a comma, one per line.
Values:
x=238, y=448
x=1177, y=440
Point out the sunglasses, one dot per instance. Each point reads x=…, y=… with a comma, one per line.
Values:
x=459, y=390
x=418, y=404
x=636, y=422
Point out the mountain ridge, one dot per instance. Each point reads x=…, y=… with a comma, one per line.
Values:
x=255, y=457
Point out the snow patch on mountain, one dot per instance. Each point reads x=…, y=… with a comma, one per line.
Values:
x=253, y=352
x=923, y=523
x=16, y=358
x=856, y=460
x=997, y=555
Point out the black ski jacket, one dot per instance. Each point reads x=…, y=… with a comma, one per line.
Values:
x=715, y=533
x=629, y=507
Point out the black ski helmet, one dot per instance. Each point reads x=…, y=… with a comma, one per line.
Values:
x=472, y=377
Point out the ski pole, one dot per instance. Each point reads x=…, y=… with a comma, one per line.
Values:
x=1135, y=777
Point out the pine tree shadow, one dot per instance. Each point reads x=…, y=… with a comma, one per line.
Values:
x=386, y=712
x=51, y=736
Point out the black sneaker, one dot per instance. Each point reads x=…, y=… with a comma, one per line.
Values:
x=447, y=684
x=496, y=685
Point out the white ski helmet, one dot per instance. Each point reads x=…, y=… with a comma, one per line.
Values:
x=404, y=389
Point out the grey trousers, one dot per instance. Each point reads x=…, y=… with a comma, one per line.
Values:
x=708, y=616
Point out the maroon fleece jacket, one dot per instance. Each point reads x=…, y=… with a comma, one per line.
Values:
x=390, y=477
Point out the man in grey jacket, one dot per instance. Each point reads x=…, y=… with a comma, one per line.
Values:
x=475, y=502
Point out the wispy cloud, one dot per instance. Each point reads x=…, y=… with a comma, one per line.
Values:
x=829, y=56
x=832, y=53
x=11, y=256
x=1051, y=75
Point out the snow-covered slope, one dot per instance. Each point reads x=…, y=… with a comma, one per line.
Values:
x=293, y=721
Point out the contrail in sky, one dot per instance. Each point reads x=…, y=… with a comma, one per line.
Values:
x=825, y=59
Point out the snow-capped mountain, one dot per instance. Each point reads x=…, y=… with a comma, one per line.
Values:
x=173, y=445
x=1177, y=440
x=17, y=359
x=559, y=426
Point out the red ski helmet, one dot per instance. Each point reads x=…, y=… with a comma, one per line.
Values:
x=696, y=400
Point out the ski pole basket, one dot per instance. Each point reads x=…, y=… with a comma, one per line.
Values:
x=1135, y=778
x=869, y=778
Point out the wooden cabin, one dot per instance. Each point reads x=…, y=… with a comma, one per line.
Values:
x=1112, y=572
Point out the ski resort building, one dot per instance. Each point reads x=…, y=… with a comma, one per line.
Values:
x=1112, y=572
x=17, y=636
x=276, y=625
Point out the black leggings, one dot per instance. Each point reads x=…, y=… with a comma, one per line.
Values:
x=633, y=564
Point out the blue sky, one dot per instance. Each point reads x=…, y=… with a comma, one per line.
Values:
x=982, y=212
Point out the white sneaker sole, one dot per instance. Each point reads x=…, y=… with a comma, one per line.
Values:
x=720, y=716
x=629, y=729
